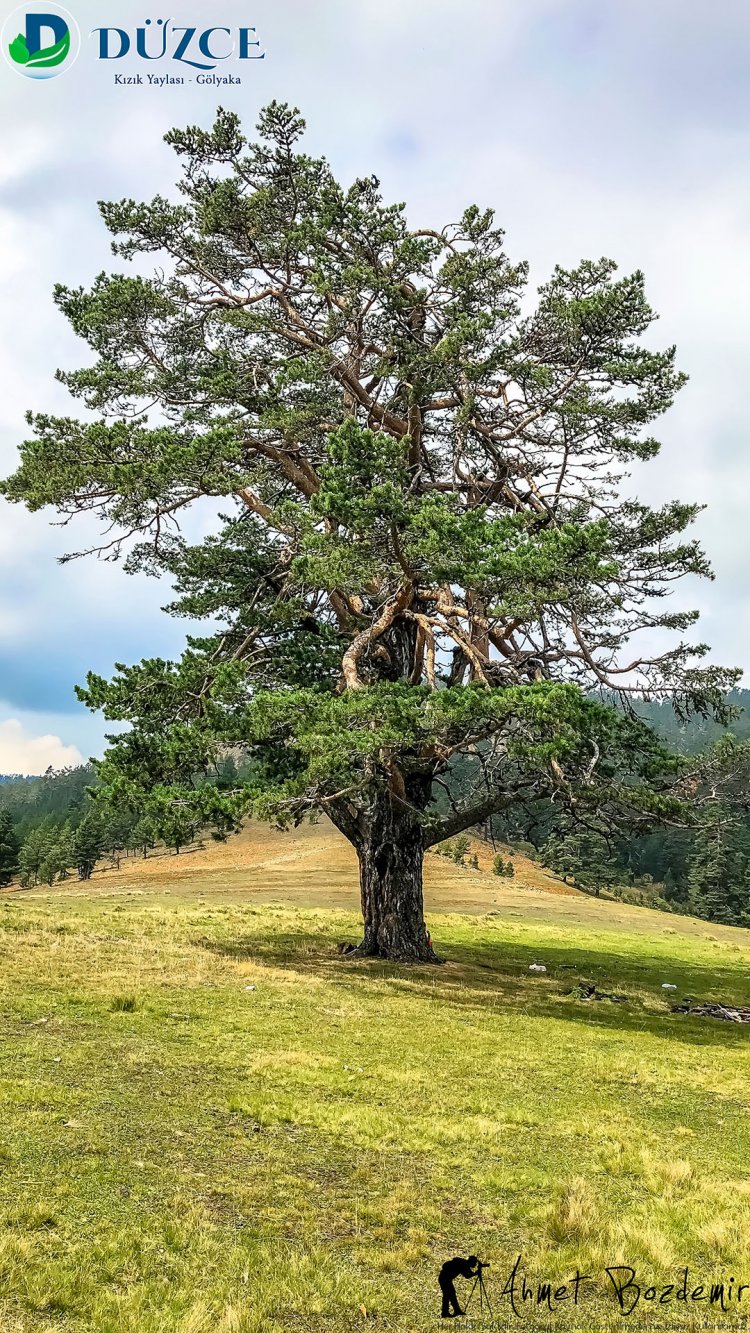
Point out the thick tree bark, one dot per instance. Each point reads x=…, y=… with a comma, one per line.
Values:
x=386, y=827
x=389, y=840
x=390, y=876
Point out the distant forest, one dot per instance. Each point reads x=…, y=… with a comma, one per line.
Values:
x=698, y=734
x=51, y=829
x=703, y=871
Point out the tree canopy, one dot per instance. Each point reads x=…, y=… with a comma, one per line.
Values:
x=420, y=547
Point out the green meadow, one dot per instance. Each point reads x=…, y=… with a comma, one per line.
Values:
x=211, y=1123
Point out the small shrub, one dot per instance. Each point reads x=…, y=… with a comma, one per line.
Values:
x=456, y=850
x=504, y=868
x=124, y=1004
x=460, y=849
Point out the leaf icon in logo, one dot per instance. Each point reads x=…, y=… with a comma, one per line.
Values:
x=53, y=55
x=19, y=50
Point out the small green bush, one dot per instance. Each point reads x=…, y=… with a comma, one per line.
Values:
x=503, y=868
x=460, y=848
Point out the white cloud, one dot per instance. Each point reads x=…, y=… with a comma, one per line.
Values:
x=592, y=129
x=21, y=753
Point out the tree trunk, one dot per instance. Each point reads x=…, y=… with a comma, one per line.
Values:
x=390, y=847
x=386, y=829
x=392, y=905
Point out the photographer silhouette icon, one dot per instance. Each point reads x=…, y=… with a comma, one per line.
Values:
x=466, y=1268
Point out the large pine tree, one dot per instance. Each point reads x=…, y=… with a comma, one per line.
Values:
x=423, y=550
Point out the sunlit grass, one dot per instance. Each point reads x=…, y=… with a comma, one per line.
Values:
x=209, y=1121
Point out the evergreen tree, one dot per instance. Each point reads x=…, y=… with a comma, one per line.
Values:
x=65, y=851
x=144, y=835
x=585, y=857
x=719, y=875
x=47, y=853
x=56, y=860
x=32, y=854
x=61, y=795
x=177, y=829
x=88, y=843
x=9, y=848
x=505, y=869
x=425, y=552
x=116, y=829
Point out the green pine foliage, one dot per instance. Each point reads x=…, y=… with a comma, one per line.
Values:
x=585, y=858
x=505, y=869
x=62, y=796
x=144, y=836
x=424, y=552
x=61, y=823
x=718, y=879
x=10, y=846
x=90, y=842
x=32, y=854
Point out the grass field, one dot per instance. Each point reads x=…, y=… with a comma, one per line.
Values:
x=210, y=1122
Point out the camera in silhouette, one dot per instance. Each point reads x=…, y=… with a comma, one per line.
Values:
x=466, y=1268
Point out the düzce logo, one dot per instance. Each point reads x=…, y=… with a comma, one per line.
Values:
x=40, y=43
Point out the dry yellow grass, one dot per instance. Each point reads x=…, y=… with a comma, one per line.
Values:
x=211, y=1123
x=315, y=864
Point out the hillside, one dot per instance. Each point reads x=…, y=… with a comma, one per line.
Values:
x=57, y=831
x=315, y=864
x=314, y=867
x=211, y=1123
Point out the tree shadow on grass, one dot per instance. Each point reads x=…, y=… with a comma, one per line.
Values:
x=474, y=977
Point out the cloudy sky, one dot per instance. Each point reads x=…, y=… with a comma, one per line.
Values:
x=591, y=126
